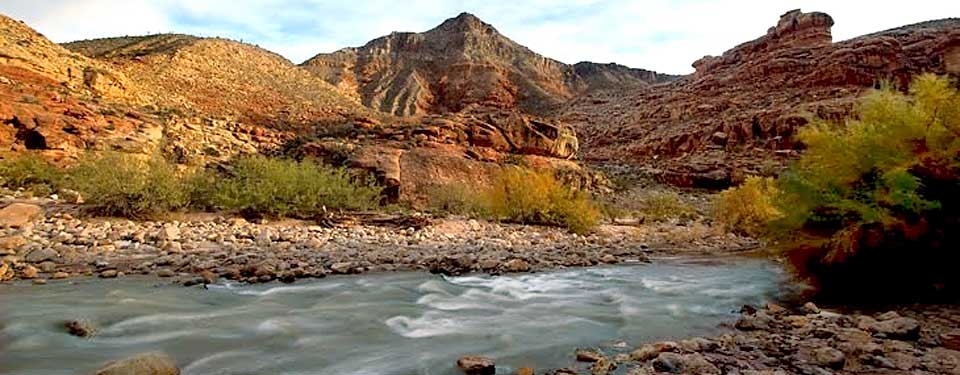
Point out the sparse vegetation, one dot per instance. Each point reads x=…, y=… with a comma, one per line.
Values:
x=874, y=199
x=282, y=187
x=665, y=206
x=124, y=185
x=31, y=173
x=454, y=198
x=536, y=197
x=520, y=195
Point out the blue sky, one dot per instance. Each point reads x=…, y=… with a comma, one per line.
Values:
x=666, y=36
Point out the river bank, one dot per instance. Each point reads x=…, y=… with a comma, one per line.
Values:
x=52, y=241
x=774, y=340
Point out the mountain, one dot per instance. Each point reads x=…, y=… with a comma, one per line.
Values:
x=737, y=113
x=224, y=78
x=464, y=63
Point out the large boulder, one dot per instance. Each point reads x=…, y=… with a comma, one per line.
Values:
x=154, y=363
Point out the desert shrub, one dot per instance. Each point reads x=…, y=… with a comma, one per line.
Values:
x=872, y=203
x=282, y=187
x=128, y=186
x=31, y=173
x=749, y=208
x=452, y=198
x=536, y=197
x=664, y=206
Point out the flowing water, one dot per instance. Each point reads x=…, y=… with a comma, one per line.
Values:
x=404, y=323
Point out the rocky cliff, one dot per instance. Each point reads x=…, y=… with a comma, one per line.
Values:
x=736, y=115
x=464, y=62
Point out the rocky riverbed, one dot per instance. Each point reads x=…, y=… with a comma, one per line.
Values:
x=805, y=340
x=43, y=239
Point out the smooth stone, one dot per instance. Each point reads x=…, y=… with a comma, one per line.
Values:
x=154, y=363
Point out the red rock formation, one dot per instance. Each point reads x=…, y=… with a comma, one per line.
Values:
x=736, y=115
x=462, y=63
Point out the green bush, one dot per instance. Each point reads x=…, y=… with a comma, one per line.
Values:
x=872, y=206
x=32, y=173
x=282, y=187
x=535, y=197
x=129, y=186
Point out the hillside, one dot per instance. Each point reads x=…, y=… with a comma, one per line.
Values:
x=60, y=103
x=462, y=63
x=736, y=114
x=224, y=78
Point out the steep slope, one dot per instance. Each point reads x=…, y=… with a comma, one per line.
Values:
x=462, y=63
x=737, y=113
x=60, y=103
x=224, y=78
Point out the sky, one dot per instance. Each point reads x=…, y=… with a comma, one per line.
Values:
x=666, y=35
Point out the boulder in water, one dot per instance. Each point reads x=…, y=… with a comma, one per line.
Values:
x=153, y=363
x=80, y=328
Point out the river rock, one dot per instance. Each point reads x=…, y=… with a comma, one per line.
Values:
x=697, y=364
x=698, y=344
x=525, y=371
x=39, y=281
x=811, y=308
x=154, y=363
x=18, y=215
x=603, y=366
x=47, y=266
x=109, y=274
x=758, y=321
x=41, y=255
x=29, y=272
x=60, y=275
x=80, y=328
x=4, y=271
x=476, y=365
x=209, y=277
x=165, y=273
x=830, y=358
x=644, y=353
x=169, y=232
x=897, y=328
x=589, y=355
x=516, y=266
x=668, y=362
x=10, y=244
x=951, y=340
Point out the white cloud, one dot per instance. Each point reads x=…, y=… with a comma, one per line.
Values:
x=665, y=36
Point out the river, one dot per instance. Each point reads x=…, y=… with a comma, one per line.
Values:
x=400, y=323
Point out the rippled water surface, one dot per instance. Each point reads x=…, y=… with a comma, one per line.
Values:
x=409, y=323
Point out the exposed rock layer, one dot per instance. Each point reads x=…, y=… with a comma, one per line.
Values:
x=737, y=114
x=464, y=62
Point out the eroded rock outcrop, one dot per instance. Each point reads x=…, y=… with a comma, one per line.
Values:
x=462, y=63
x=738, y=113
x=464, y=148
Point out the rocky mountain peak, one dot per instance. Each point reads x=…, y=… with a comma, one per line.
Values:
x=803, y=28
x=463, y=23
x=463, y=63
